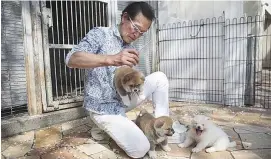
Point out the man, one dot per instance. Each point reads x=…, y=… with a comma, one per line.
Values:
x=100, y=52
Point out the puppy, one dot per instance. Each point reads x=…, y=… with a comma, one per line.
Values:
x=206, y=134
x=156, y=130
x=129, y=84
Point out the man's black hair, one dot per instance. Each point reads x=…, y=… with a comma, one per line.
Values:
x=139, y=7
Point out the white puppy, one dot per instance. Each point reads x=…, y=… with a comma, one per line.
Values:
x=206, y=134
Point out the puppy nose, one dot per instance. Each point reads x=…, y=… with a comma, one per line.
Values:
x=198, y=127
x=172, y=130
x=135, y=90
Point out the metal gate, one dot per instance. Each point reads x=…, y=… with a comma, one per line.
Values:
x=218, y=60
x=65, y=23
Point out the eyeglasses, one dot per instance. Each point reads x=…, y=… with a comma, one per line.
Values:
x=136, y=28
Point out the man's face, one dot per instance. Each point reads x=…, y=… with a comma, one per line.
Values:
x=132, y=29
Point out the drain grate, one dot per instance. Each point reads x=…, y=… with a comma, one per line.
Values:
x=12, y=111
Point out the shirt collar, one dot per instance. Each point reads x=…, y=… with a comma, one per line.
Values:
x=117, y=34
x=116, y=31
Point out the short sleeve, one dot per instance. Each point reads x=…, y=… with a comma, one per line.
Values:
x=91, y=43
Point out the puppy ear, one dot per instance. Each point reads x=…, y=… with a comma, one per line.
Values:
x=127, y=77
x=143, y=111
x=142, y=78
x=158, y=124
x=160, y=121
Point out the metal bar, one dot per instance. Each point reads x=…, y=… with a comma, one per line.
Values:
x=85, y=19
x=67, y=16
x=61, y=46
x=55, y=68
x=99, y=15
x=103, y=11
x=92, y=15
x=77, y=41
x=175, y=56
x=88, y=18
x=59, y=55
x=201, y=53
x=73, y=43
x=60, y=73
x=96, y=19
x=190, y=38
x=194, y=25
x=267, y=104
x=65, y=70
x=79, y=70
x=208, y=34
x=73, y=39
x=216, y=62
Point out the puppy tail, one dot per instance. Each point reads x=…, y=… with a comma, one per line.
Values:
x=232, y=144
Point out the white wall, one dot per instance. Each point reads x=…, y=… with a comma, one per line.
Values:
x=173, y=11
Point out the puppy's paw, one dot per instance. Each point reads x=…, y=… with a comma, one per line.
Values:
x=152, y=154
x=182, y=145
x=196, y=149
x=211, y=149
x=166, y=148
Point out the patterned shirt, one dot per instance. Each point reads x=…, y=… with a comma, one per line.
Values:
x=100, y=94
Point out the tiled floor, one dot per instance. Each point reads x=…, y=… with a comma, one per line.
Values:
x=250, y=128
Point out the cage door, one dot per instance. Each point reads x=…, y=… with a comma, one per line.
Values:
x=65, y=23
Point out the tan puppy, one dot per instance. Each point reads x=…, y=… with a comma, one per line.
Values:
x=156, y=130
x=129, y=84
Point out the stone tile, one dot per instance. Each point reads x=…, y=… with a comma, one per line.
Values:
x=76, y=139
x=256, y=140
x=62, y=153
x=107, y=154
x=170, y=157
x=75, y=123
x=264, y=123
x=19, y=150
x=242, y=128
x=4, y=144
x=246, y=117
x=77, y=154
x=178, y=152
x=29, y=157
x=230, y=132
x=252, y=154
x=117, y=150
x=19, y=145
x=25, y=137
x=214, y=155
x=91, y=149
x=48, y=137
x=79, y=129
x=222, y=115
x=233, y=137
x=266, y=116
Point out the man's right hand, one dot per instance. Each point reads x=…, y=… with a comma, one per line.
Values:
x=129, y=57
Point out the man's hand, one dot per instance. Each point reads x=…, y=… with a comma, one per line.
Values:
x=129, y=57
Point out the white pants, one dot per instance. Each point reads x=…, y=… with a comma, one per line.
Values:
x=123, y=131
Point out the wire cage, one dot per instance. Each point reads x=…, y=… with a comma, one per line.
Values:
x=218, y=60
